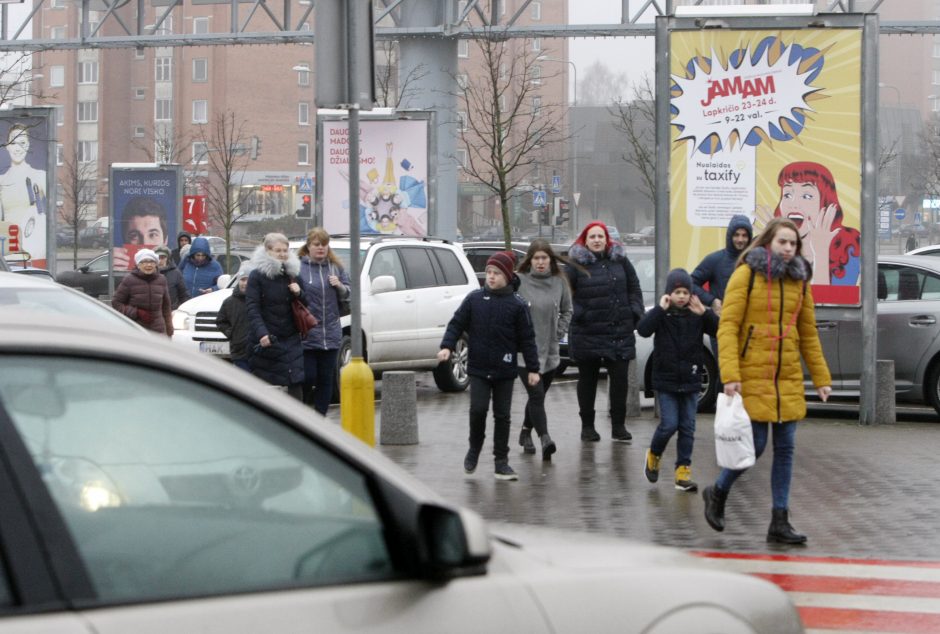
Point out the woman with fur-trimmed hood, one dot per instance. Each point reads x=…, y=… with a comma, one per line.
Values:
x=277, y=350
x=768, y=323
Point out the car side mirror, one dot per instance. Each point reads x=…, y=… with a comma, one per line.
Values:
x=83, y=269
x=453, y=542
x=383, y=284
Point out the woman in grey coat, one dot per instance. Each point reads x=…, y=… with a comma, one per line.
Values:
x=545, y=289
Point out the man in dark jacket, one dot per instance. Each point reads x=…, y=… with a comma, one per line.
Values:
x=232, y=321
x=182, y=239
x=716, y=268
x=174, y=279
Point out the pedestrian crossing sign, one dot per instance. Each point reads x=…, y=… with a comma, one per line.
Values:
x=305, y=186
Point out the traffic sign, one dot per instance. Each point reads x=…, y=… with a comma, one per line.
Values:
x=538, y=197
x=556, y=184
x=899, y=214
x=305, y=186
x=917, y=218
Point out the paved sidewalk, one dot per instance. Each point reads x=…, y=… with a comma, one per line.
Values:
x=859, y=492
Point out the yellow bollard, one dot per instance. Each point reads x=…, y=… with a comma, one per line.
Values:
x=357, y=400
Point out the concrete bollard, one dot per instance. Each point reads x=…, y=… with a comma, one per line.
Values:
x=399, y=424
x=885, y=394
x=633, y=391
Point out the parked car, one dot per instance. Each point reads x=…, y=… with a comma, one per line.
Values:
x=646, y=235
x=410, y=290
x=930, y=249
x=92, y=277
x=614, y=233
x=908, y=332
x=64, y=236
x=263, y=516
x=479, y=252
x=30, y=295
x=20, y=262
x=95, y=235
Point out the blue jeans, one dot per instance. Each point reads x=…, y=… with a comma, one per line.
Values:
x=676, y=413
x=782, y=470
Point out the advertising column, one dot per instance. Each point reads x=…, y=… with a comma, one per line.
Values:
x=764, y=124
x=146, y=206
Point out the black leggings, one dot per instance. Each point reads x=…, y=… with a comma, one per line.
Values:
x=588, y=372
x=535, y=406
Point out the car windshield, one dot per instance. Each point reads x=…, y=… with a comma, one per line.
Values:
x=645, y=266
x=53, y=299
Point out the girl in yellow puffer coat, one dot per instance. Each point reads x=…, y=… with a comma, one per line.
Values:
x=768, y=322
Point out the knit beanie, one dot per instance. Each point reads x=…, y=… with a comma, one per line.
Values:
x=162, y=250
x=678, y=278
x=505, y=261
x=145, y=254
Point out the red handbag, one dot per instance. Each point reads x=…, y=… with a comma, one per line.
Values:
x=304, y=320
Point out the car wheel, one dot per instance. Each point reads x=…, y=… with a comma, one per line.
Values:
x=710, y=380
x=451, y=376
x=932, y=387
x=342, y=360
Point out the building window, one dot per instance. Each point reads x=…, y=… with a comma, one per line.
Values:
x=462, y=81
x=501, y=6
x=87, y=151
x=200, y=150
x=200, y=25
x=463, y=48
x=91, y=27
x=303, y=154
x=166, y=27
x=201, y=69
x=502, y=103
x=303, y=75
x=139, y=53
x=58, y=4
x=162, y=68
x=59, y=115
x=536, y=44
x=200, y=111
x=461, y=156
x=536, y=106
x=87, y=111
x=59, y=154
x=936, y=49
x=58, y=33
x=536, y=10
x=139, y=131
x=140, y=93
x=57, y=76
x=303, y=113
x=163, y=109
x=461, y=121
x=536, y=74
x=88, y=72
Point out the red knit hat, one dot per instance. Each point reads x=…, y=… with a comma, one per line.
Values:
x=582, y=237
x=505, y=261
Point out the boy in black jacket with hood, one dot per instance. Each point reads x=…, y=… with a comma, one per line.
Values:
x=498, y=325
x=232, y=320
x=679, y=322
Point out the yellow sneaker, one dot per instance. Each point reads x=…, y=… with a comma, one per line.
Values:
x=651, y=468
x=684, y=479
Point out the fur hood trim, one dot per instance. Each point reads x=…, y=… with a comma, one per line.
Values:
x=584, y=256
x=797, y=268
x=271, y=267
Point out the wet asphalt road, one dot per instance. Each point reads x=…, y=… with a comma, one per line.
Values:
x=867, y=492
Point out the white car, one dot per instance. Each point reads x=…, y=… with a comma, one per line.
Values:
x=410, y=290
x=147, y=490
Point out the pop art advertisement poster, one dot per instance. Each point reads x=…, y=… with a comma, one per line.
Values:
x=764, y=124
x=145, y=212
x=393, y=174
x=24, y=201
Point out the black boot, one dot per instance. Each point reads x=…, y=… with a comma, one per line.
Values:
x=548, y=446
x=525, y=440
x=588, y=433
x=780, y=530
x=715, y=507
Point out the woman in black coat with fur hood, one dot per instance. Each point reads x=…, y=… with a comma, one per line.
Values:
x=277, y=350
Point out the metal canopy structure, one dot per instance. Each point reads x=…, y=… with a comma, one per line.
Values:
x=261, y=22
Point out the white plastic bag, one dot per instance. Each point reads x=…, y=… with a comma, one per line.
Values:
x=734, y=439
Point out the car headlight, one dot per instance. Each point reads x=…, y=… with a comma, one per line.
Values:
x=181, y=320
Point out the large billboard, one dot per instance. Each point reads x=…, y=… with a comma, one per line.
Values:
x=146, y=205
x=26, y=180
x=393, y=176
x=768, y=123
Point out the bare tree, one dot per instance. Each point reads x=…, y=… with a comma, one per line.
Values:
x=389, y=91
x=163, y=145
x=79, y=182
x=637, y=120
x=507, y=128
x=601, y=86
x=226, y=158
x=928, y=169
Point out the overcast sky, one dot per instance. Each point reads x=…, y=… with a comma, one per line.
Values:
x=632, y=55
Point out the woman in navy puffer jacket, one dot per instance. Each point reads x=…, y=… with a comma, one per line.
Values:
x=608, y=303
x=325, y=284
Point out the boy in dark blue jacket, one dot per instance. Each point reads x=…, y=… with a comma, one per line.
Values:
x=679, y=322
x=498, y=326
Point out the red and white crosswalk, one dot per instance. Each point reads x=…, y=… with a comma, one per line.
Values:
x=850, y=596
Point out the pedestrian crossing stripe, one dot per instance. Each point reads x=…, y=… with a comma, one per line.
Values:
x=849, y=596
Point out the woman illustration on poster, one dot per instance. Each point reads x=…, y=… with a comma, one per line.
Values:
x=808, y=198
x=23, y=194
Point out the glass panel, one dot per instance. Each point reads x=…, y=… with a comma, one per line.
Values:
x=386, y=262
x=454, y=274
x=173, y=489
x=419, y=267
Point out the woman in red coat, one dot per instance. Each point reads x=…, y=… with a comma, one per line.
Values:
x=143, y=295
